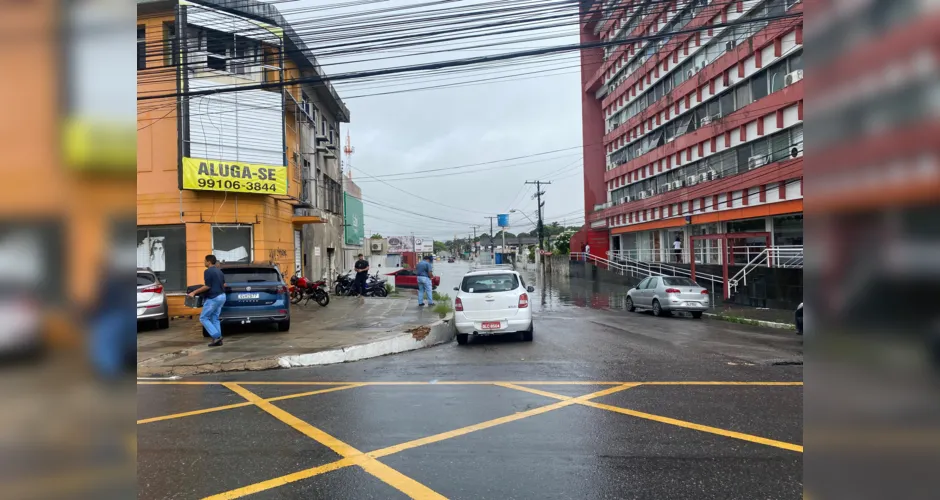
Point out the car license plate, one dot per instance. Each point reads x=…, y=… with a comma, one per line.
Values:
x=246, y=296
x=692, y=303
x=492, y=325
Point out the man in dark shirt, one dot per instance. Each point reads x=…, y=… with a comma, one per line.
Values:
x=214, y=289
x=362, y=272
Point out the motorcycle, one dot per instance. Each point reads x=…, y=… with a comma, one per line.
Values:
x=375, y=286
x=302, y=289
x=344, y=285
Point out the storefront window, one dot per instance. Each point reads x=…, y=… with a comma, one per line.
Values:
x=232, y=243
x=163, y=249
x=788, y=230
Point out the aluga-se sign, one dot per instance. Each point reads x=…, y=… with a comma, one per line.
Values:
x=220, y=175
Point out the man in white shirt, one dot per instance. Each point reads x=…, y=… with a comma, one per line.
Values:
x=677, y=249
x=587, y=252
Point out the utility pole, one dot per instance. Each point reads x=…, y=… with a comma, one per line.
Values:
x=473, y=243
x=492, y=247
x=541, y=225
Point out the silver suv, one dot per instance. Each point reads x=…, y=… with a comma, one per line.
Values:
x=151, y=299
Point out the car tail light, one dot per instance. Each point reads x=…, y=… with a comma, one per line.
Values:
x=153, y=289
x=458, y=304
x=281, y=289
x=523, y=301
x=673, y=290
x=704, y=292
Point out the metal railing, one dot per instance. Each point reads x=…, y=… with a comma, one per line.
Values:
x=783, y=256
x=640, y=269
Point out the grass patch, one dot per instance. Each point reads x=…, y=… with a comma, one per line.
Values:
x=443, y=302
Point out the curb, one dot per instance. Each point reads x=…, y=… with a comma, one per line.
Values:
x=748, y=321
x=441, y=331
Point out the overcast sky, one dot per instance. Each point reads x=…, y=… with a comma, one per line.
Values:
x=450, y=127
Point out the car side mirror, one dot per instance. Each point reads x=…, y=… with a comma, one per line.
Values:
x=530, y=288
x=456, y=289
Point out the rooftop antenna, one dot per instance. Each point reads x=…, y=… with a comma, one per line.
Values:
x=349, y=150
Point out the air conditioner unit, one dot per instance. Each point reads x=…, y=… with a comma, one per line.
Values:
x=703, y=177
x=642, y=195
x=792, y=77
x=690, y=180
x=756, y=161
x=662, y=189
x=705, y=120
x=729, y=46
x=677, y=184
x=627, y=199
x=377, y=246
x=712, y=175
x=690, y=73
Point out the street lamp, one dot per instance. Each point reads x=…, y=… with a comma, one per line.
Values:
x=523, y=213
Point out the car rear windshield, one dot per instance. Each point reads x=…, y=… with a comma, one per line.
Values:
x=679, y=282
x=486, y=283
x=250, y=275
x=144, y=279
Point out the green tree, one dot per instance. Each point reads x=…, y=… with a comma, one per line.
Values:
x=440, y=246
x=563, y=243
x=376, y=236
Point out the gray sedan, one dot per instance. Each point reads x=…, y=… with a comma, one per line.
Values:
x=665, y=294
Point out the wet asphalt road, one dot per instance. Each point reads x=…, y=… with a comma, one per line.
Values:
x=423, y=426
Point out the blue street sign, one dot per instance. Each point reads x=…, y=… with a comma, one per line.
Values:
x=502, y=220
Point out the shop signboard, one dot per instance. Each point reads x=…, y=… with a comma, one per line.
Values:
x=355, y=226
x=235, y=177
x=404, y=244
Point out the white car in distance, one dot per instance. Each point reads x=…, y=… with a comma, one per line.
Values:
x=492, y=302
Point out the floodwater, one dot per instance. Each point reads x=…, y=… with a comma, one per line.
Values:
x=553, y=292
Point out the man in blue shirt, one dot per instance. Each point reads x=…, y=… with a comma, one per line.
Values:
x=425, y=272
x=214, y=288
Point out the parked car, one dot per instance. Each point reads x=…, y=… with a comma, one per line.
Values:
x=151, y=299
x=493, y=302
x=798, y=318
x=255, y=293
x=406, y=278
x=450, y=260
x=667, y=294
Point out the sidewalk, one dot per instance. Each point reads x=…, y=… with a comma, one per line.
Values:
x=344, y=323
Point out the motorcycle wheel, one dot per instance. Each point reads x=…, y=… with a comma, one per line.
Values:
x=381, y=292
x=296, y=297
x=322, y=298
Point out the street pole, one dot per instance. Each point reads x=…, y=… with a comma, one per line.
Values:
x=473, y=243
x=492, y=247
x=541, y=225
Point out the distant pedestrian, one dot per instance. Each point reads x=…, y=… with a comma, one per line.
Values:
x=425, y=271
x=587, y=252
x=362, y=273
x=677, y=249
x=214, y=287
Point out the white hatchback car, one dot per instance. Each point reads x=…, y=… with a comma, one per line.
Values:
x=492, y=302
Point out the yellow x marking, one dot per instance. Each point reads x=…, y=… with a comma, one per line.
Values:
x=368, y=461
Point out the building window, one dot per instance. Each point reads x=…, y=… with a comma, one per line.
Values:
x=217, y=48
x=141, y=47
x=232, y=243
x=170, y=52
x=788, y=230
x=163, y=249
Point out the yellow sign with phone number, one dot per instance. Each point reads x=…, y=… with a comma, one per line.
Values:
x=221, y=175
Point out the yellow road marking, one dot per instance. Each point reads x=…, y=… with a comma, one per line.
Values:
x=475, y=382
x=665, y=420
x=394, y=478
x=281, y=481
x=492, y=423
x=191, y=413
x=384, y=452
x=704, y=428
x=239, y=405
